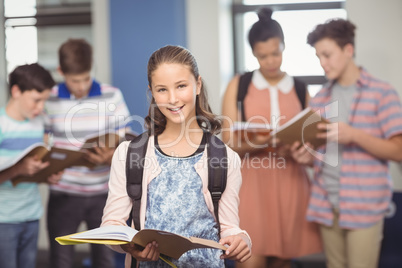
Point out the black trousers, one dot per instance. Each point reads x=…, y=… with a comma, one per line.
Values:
x=64, y=215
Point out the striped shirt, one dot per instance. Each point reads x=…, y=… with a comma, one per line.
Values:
x=70, y=121
x=365, y=184
x=23, y=202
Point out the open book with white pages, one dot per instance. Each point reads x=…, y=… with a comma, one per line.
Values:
x=251, y=127
x=40, y=149
x=169, y=244
x=61, y=158
x=302, y=128
x=58, y=159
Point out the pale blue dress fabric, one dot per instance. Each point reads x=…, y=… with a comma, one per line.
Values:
x=176, y=204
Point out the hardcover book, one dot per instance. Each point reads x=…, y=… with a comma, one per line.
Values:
x=169, y=244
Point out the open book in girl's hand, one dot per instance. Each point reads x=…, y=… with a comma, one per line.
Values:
x=169, y=244
x=246, y=129
x=263, y=128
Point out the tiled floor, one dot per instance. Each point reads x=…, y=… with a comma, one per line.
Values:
x=81, y=258
x=311, y=261
x=42, y=259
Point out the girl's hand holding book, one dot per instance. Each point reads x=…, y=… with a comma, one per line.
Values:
x=300, y=153
x=238, y=249
x=149, y=253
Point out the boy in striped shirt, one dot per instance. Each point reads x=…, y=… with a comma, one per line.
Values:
x=77, y=108
x=352, y=189
x=22, y=125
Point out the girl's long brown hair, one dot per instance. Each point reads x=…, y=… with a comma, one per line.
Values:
x=155, y=121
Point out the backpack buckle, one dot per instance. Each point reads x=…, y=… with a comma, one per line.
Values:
x=216, y=195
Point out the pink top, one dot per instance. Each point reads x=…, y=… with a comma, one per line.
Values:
x=275, y=191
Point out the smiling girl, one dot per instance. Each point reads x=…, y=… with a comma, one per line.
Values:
x=175, y=197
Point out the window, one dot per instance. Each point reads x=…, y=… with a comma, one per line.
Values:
x=34, y=29
x=19, y=33
x=297, y=19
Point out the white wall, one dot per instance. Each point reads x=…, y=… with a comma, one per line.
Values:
x=3, y=80
x=209, y=37
x=379, y=46
x=101, y=40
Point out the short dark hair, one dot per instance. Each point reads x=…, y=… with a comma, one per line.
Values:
x=265, y=28
x=31, y=77
x=75, y=56
x=340, y=30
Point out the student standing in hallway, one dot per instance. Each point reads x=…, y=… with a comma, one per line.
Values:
x=22, y=125
x=273, y=198
x=175, y=193
x=79, y=107
x=352, y=188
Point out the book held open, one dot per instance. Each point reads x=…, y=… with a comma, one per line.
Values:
x=247, y=129
x=169, y=244
x=60, y=158
x=252, y=127
x=302, y=128
x=40, y=149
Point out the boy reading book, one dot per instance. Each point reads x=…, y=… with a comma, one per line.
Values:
x=21, y=125
x=351, y=191
x=77, y=108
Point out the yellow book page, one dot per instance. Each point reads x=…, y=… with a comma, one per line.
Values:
x=67, y=240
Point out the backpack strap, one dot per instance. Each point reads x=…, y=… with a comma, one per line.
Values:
x=244, y=82
x=217, y=174
x=134, y=172
x=135, y=162
x=217, y=171
x=300, y=91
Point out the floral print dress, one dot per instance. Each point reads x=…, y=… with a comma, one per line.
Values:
x=176, y=204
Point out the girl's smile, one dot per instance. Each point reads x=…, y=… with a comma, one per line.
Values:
x=176, y=110
x=175, y=89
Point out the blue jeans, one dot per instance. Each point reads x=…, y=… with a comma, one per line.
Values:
x=18, y=244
